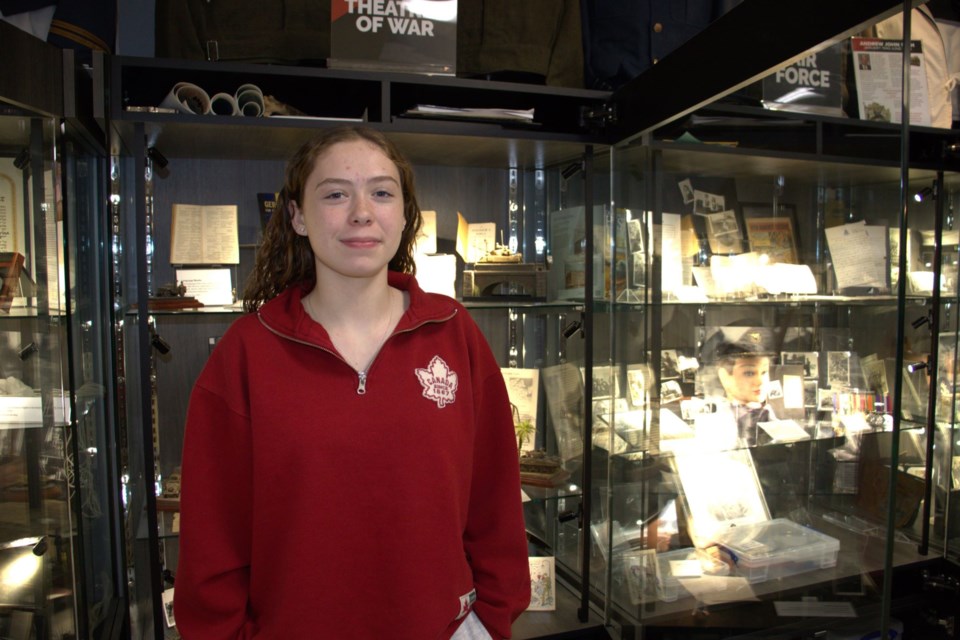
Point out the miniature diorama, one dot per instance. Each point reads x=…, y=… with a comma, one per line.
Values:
x=501, y=254
x=172, y=296
x=537, y=467
x=501, y=273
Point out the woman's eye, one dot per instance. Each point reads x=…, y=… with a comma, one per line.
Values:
x=382, y=193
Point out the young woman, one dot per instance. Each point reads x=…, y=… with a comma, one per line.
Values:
x=349, y=463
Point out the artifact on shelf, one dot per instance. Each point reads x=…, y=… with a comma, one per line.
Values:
x=540, y=469
x=172, y=296
x=523, y=428
x=501, y=272
x=169, y=498
x=501, y=254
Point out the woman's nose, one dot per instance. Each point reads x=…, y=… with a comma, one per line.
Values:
x=361, y=212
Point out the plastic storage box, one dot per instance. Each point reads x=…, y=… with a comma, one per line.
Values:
x=777, y=549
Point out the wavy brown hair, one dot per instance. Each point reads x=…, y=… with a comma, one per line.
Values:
x=284, y=257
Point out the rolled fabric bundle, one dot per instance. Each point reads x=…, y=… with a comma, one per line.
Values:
x=224, y=104
x=187, y=97
x=250, y=100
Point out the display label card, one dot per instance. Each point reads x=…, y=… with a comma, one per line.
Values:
x=11, y=206
x=878, y=72
x=523, y=388
x=784, y=430
x=859, y=254
x=20, y=410
x=481, y=239
x=794, y=279
x=671, y=235
x=437, y=273
x=543, y=584
x=212, y=287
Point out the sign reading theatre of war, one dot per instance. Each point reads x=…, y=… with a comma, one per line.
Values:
x=399, y=35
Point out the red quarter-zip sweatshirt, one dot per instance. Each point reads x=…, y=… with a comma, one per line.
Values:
x=314, y=505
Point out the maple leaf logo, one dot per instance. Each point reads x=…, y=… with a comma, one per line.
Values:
x=439, y=382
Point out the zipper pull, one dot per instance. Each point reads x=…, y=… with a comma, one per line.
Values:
x=362, y=383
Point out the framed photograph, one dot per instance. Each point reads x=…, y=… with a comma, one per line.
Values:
x=167, y=597
x=606, y=382
x=772, y=237
x=670, y=391
x=669, y=364
x=810, y=394
x=808, y=359
x=705, y=202
x=563, y=391
x=543, y=584
x=769, y=234
x=638, y=262
x=638, y=379
x=635, y=235
x=875, y=373
x=838, y=369
x=723, y=232
x=826, y=399
x=686, y=190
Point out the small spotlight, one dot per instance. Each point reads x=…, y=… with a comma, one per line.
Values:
x=923, y=194
x=159, y=161
x=22, y=159
x=41, y=547
x=28, y=350
x=158, y=343
x=158, y=158
x=571, y=170
x=913, y=367
x=573, y=328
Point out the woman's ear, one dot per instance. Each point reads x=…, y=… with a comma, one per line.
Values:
x=296, y=218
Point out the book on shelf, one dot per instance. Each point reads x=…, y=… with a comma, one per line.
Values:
x=204, y=234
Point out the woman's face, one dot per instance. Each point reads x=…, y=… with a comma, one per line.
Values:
x=748, y=379
x=351, y=210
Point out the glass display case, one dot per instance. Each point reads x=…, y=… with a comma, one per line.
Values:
x=779, y=425
x=648, y=256
x=59, y=569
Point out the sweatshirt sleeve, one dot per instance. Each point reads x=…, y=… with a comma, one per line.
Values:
x=213, y=571
x=495, y=536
